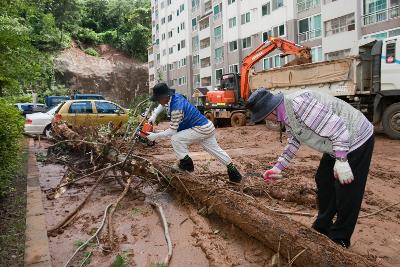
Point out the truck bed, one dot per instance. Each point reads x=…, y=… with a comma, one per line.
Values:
x=337, y=77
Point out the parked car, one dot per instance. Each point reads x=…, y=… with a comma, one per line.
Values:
x=40, y=123
x=88, y=96
x=52, y=101
x=29, y=108
x=91, y=113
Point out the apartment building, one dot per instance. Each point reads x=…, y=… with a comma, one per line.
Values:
x=196, y=41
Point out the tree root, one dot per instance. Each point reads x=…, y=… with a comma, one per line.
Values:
x=91, y=238
x=166, y=231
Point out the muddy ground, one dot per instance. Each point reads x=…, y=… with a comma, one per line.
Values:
x=201, y=240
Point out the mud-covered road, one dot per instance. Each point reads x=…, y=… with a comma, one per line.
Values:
x=201, y=240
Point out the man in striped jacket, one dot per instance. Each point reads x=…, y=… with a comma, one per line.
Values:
x=336, y=129
x=188, y=126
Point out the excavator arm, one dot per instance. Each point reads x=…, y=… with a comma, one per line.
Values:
x=287, y=47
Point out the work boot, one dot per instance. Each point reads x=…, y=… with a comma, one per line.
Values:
x=186, y=164
x=234, y=174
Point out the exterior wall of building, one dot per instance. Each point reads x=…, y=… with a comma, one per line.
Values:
x=207, y=54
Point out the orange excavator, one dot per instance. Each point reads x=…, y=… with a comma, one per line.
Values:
x=228, y=101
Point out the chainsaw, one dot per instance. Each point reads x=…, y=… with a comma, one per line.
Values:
x=143, y=129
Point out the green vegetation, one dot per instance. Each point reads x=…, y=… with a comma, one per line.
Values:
x=33, y=32
x=11, y=127
x=120, y=261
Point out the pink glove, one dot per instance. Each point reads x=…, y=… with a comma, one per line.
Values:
x=272, y=174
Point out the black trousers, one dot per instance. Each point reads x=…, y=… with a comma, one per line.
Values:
x=344, y=201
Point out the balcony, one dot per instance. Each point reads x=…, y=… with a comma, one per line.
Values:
x=207, y=6
x=303, y=5
x=204, y=23
x=382, y=15
x=206, y=81
x=205, y=62
x=310, y=35
x=205, y=43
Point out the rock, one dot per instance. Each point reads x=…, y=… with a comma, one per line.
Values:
x=113, y=75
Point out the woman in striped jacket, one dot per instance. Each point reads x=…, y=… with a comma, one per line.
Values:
x=188, y=126
x=336, y=129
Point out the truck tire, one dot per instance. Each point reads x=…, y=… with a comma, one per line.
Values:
x=210, y=117
x=273, y=126
x=238, y=119
x=391, y=121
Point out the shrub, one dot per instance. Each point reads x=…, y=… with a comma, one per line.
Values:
x=11, y=127
x=87, y=36
x=91, y=51
x=107, y=37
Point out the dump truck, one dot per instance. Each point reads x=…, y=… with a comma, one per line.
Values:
x=369, y=80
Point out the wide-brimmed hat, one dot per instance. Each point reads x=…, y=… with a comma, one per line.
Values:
x=161, y=90
x=261, y=103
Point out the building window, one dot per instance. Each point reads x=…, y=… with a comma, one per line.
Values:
x=205, y=62
x=179, y=47
x=231, y=1
x=342, y=24
x=277, y=4
x=218, y=76
x=267, y=63
x=196, y=80
x=183, y=44
x=277, y=31
x=162, y=20
x=380, y=10
x=170, y=66
x=245, y=18
x=169, y=2
x=195, y=5
x=163, y=36
x=170, y=50
x=234, y=68
x=233, y=46
x=219, y=55
x=246, y=42
x=194, y=24
x=182, y=25
x=206, y=81
x=232, y=22
x=316, y=53
x=182, y=7
x=309, y=28
x=182, y=80
x=337, y=54
x=169, y=18
x=164, y=52
x=303, y=5
x=384, y=35
x=207, y=6
x=169, y=34
x=195, y=43
x=217, y=11
x=265, y=36
x=218, y=33
x=266, y=9
x=196, y=61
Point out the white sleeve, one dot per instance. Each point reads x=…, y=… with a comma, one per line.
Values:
x=166, y=133
x=155, y=113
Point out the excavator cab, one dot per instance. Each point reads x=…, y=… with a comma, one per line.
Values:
x=228, y=92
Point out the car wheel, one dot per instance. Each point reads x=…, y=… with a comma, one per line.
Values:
x=48, y=131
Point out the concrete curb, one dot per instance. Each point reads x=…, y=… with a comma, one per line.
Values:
x=36, y=243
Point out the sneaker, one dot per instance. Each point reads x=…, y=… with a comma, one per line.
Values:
x=234, y=174
x=186, y=164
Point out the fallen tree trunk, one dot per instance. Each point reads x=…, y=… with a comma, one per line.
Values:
x=272, y=229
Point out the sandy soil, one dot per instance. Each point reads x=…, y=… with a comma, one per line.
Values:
x=206, y=240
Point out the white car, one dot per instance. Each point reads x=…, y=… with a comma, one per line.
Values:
x=40, y=123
